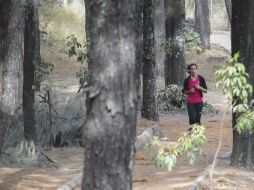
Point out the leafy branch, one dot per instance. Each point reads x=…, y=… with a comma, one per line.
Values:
x=80, y=51
x=189, y=143
x=234, y=81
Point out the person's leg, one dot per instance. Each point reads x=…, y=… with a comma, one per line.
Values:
x=191, y=113
x=198, y=108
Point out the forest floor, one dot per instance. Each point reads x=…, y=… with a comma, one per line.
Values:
x=145, y=175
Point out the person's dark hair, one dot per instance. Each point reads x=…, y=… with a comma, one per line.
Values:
x=189, y=67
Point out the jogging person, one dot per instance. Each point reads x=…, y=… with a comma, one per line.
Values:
x=194, y=86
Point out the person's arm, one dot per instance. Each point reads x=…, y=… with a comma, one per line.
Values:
x=202, y=87
x=185, y=87
x=190, y=91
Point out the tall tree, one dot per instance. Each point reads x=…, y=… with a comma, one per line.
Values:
x=174, y=25
x=228, y=4
x=242, y=40
x=30, y=58
x=12, y=15
x=110, y=127
x=149, y=106
x=202, y=22
x=139, y=51
x=159, y=34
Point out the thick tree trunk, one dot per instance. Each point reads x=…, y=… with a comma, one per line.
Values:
x=242, y=40
x=174, y=24
x=12, y=28
x=149, y=106
x=202, y=22
x=228, y=4
x=28, y=70
x=112, y=97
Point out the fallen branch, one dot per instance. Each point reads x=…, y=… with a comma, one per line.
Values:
x=50, y=159
x=195, y=185
x=142, y=140
x=146, y=136
x=72, y=183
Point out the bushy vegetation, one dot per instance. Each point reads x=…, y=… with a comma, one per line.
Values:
x=192, y=43
x=170, y=99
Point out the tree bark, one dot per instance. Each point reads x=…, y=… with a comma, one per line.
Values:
x=11, y=36
x=28, y=70
x=139, y=52
x=112, y=96
x=149, y=106
x=228, y=4
x=159, y=35
x=37, y=58
x=202, y=22
x=174, y=24
x=242, y=40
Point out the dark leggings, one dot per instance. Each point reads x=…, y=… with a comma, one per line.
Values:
x=194, y=112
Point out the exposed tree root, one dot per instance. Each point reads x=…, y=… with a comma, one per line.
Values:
x=27, y=154
x=27, y=149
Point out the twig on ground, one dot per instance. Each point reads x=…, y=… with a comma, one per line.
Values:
x=218, y=148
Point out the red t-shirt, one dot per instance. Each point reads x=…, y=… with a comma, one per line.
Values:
x=196, y=96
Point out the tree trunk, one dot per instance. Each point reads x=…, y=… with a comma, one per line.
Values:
x=202, y=22
x=139, y=52
x=149, y=106
x=159, y=35
x=110, y=127
x=28, y=70
x=242, y=40
x=228, y=4
x=11, y=36
x=37, y=58
x=174, y=24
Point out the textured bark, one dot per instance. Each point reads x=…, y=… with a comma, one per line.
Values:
x=149, y=106
x=37, y=58
x=139, y=51
x=159, y=35
x=202, y=22
x=242, y=40
x=12, y=30
x=112, y=96
x=174, y=24
x=86, y=19
x=228, y=4
x=28, y=70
